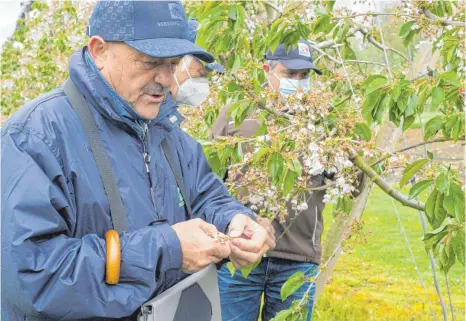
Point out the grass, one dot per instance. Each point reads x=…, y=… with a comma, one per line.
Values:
x=378, y=280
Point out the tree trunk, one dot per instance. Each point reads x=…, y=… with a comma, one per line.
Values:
x=339, y=232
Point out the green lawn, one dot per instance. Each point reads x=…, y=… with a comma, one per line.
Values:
x=378, y=280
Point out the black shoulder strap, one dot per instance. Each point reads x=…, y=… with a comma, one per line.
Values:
x=79, y=104
x=178, y=177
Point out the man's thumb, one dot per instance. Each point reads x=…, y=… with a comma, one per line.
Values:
x=236, y=227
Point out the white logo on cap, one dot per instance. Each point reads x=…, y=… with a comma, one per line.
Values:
x=176, y=12
x=304, y=50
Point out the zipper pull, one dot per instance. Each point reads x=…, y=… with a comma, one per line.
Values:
x=147, y=161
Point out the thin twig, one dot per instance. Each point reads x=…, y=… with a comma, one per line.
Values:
x=273, y=6
x=367, y=62
x=335, y=60
x=379, y=45
x=385, y=48
x=355, y=98
x=373, y=14
x=437, y=140
x=444, y=22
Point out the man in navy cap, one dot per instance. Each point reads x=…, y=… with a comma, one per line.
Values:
x=299, y=238
x=55, y=211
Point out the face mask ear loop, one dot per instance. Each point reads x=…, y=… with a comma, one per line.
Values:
x=285, y=79
x=176, y=80
x=270, y=84
x=186, y=68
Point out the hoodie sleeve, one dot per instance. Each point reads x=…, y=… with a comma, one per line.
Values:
x=48, y=273
x=210, y=197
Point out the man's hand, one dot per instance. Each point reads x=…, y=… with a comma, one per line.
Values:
x=249, y=241
x=200, y=245
x=265, y=223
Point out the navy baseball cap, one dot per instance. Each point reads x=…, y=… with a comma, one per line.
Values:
x=156, y=28
x=296, y=58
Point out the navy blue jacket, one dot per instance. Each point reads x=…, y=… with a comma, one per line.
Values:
x=55, y=213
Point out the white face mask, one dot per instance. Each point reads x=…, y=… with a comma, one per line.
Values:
x=290, y=86
x=193, y=91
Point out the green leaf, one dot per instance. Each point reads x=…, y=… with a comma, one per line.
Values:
x=430, y=155
x=405, y=29
x=438, y=95
x=343, y=205
x=289, y=181
x=434, y=210
x=408, y=121
x=411, y=110
x=458, y=244
x=408, y=38
x=372, y=102
x=298, y=167
x=374, y=82
x=455, y=132
x=329, y=4
x=363, y=131
x=236, y=64
x=449, y=204
x=240, y=16
x=450, y=77
x=275, y=165
x=442, y=183
x=247, y=270
x=293, y=284
x=261, y=153
x=458, y=202
x=418, y=188
x=321, y=24
x=231, y=268
x=383, y=106
x=238, y=153
x=282, y=315
x=411, y=170
x=433, y=233
x=433, y=126
x=232, y=12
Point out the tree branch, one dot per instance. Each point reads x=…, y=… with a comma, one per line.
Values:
x=377, y=179
x=438, y=140
x=335, y=60
x=379, y=45
x=366, y=62
x=273, y=6
x=444, y=22
x=373, y=14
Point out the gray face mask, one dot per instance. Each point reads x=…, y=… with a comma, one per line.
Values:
x=193, y=91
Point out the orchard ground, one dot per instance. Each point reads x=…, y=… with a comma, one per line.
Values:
x=378, y=280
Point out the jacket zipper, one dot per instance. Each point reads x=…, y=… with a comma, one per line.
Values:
x=315, y=227
x=146, y=155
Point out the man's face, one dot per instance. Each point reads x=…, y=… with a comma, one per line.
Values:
x=195, y=68
x=140, y=80
x=280, y=71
